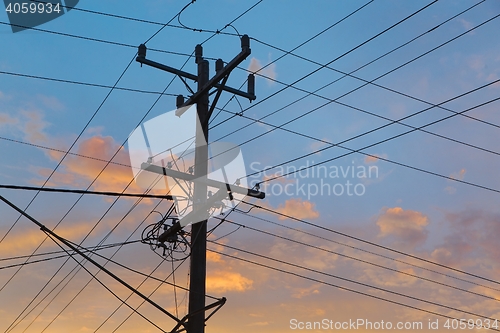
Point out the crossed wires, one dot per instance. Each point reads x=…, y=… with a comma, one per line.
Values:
x=229, y=24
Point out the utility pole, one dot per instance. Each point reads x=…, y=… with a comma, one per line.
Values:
x=198, y=264
x=201, y=203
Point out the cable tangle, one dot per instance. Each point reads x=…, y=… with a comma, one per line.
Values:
x=176, y=247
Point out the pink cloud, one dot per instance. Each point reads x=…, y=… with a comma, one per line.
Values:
x=407, y=227
x=301, y=209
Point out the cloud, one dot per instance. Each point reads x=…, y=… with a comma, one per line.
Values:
x=317, y=145
x=6, y=119
x=373, y=158
x=34, y=126
x=473, y=240
x=29, y=122
x=222, y=281
x=458, y=175
x=80, y=171
x=303, y=292
x=406, y=226
x=3, y=96
x=466, y=24
x=455, y=175
x=301, y=209
x=269, y=71
x=259, y=323
x=50, y=102
x=27, y=240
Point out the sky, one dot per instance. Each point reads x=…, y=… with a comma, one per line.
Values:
x=374, y=135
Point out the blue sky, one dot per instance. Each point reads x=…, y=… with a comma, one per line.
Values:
x=429, y=216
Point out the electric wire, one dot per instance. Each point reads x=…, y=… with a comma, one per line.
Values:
x=53, y=172
x=365, y=251
x=291, y=51
x=74, y=142
x=154, y=291
x=363, y=66
x=355, y=259
x=58, y=240
x=107, y=261
x=352, y=151
x=392, y=121
x=136, y=308
x=340, y=56
x=332, y=100
x=81, y=83
x=335, y=286
x=388, y=88
x=94, y=277
x=234, y=20
x=58, y=253
x=106, y=193
x=371, y=243
x=72, y=273
x=295, y=48
x=386, y=124
x=351, y=281
x=147, y=21
x=92, y=39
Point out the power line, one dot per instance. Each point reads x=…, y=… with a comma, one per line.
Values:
x=355, y=259
x=233, y=21
x=58, y=240
x=13, y=324
x=349, y=280
x=89, y=84
x=150, y=294
x=91, y=39
x=57, y=166
x=372, y=243
x=339, y=287
x=331, y=144
x=87, y=249
x=74, y=142
x=366, y=251
x=128, y=18
x=345, y=74
x=333, y=100
x=339, y=57
x=290, y=52
x=62, y=190
x=94, y=277
x=351, y=151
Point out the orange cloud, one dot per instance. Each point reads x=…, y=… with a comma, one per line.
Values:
x=374, y=158
x=6, y=119
x=34, y=126
x=458, y=175
x=301, y=209
x=222, y=281
x=407, y=226
x=79, y=170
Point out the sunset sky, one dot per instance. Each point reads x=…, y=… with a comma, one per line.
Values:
x=367, y=216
